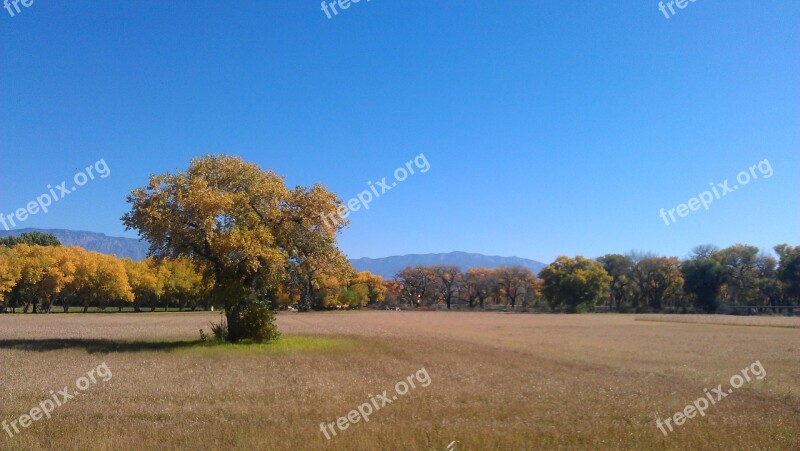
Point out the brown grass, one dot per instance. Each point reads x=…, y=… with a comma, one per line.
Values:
x=498, y=382
x=762, y=321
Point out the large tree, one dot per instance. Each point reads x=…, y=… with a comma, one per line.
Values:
x=240, y=223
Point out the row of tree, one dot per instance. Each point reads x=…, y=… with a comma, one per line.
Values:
x=37, y=273
x=735, y=276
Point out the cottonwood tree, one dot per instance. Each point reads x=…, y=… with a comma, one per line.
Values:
x=376, y=290
x=245, y=228
x=10, y=272
x=146, y=285
x=659, y=281
x=478, y=285
x=575, y=283
x=44, y=273
x=703, y=277
x=514, y=282
x=620, y=268
x=314, y=263
x=183, y=283
x=107, y=282
x=446, y=281
x=415, y=284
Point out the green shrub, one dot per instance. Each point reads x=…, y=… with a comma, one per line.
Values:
x=220, y=329
x=257, y=323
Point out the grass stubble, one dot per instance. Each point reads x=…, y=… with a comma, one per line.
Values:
x=498, y=382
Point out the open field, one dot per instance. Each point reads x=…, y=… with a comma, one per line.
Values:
x=497, y=381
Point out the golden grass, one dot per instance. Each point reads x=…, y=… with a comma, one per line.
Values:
x=498, y=382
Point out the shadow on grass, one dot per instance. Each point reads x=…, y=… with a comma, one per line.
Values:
x=96, y=345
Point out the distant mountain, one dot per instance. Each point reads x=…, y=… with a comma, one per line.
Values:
x=387, y=267
x=91, y=241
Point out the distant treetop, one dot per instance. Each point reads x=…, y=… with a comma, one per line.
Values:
x=32, y=238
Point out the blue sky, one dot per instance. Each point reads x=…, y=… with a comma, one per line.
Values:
x=550, y=127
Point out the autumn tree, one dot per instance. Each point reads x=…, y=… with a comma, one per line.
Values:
x=146, y=285
x=575, y=283
x=107, y=282
x=183, y=283
x=245, y=228
x=516, y=282
x=10, y=273
x=478, y=285
x=659, y=281
x=376, y=290
x=415, y=284
x=621, y=286
x=446, y=280
x=314, y=261
x=44, y=273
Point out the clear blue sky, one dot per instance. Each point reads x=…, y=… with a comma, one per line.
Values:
x=551, y=127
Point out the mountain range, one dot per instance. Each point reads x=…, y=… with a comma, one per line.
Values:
x=385, y=267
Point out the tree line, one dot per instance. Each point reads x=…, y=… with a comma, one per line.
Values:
x=739, y=275
x=37, y=274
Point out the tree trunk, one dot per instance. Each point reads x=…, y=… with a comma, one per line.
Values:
x=232, y=316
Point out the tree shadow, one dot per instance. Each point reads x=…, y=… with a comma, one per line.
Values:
x=93, y=346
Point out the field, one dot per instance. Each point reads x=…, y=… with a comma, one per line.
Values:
x=496, y=381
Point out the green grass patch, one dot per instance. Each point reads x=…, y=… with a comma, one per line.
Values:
x=283, y=345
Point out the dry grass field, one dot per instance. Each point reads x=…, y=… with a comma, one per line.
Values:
x=498, y=381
